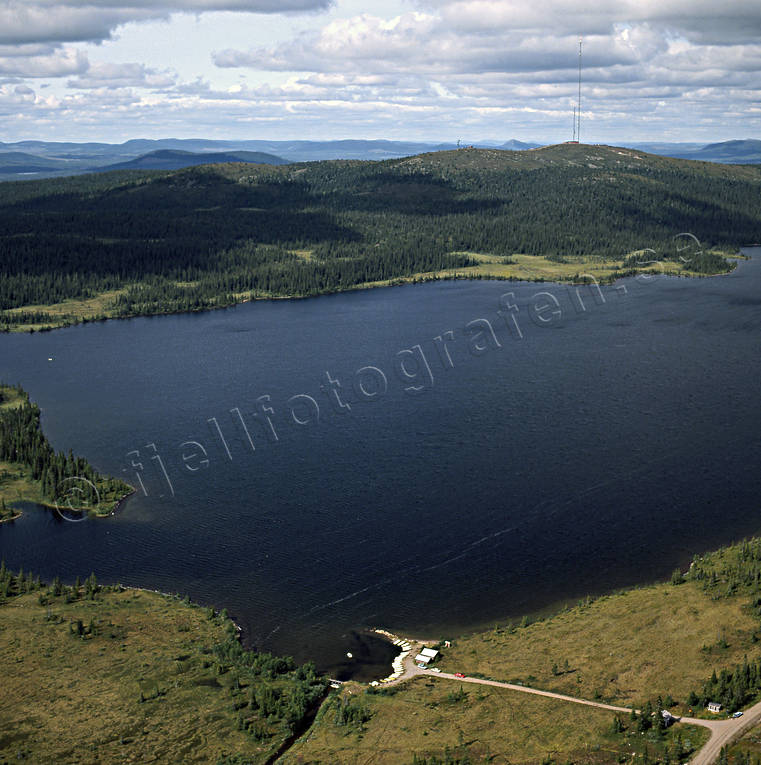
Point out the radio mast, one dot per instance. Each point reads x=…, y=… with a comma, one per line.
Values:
x=574, y=124
x=578, y=110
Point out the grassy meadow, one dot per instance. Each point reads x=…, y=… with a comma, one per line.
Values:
x=430, y=717
x=101, y=675
x=622, y=648
x=136, y=690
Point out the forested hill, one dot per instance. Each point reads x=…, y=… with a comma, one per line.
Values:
x=127, y=243
x=173, y=159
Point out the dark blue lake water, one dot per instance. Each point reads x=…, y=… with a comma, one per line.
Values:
x=454, y=479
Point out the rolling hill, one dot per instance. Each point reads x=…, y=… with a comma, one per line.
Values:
x=22, y=163
x=173, y=159
x=134, y=242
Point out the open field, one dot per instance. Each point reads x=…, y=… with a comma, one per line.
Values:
x=427, y=716
x=10, y=397
x=623, y=648
x=747, y=749
x=93, y=675
x=73, y=311
x=72, y=699
x=537, y=268
x=17, y=485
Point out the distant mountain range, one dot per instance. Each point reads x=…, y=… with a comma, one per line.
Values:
x=41, y=159
x=726, y=152
x=48, y=163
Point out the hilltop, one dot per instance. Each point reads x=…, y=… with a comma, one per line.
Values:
x=569, y=155
x=140, y=242
x=57, y=159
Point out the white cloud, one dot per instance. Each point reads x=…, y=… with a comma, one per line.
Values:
x=426, y=69
x=702, y=19
x=27, y=21
x=424, y=43
x=102, y=75
x=480, y=57
x=53, y=62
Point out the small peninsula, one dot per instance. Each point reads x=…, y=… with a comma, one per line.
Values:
x=31, y=470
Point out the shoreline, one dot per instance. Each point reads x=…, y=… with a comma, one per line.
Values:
x=12, y=518
x=409, y=645
x=399, y=281
x=55, y=508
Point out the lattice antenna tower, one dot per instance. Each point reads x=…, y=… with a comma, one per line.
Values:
x=578, y=108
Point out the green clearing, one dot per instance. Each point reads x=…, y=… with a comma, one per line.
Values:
x=622, y=648
x=114, y=675
x=747, y=751
x=40, y=318
x=626, y=648
x=428, y=717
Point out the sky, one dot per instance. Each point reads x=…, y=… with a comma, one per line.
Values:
x=424, y=70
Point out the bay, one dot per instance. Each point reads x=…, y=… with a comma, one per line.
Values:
x=380, y=458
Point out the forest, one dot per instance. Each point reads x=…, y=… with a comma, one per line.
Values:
x=208, y=236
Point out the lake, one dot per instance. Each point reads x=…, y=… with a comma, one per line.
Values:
x=428, y=459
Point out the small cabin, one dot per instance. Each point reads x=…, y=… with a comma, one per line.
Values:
x=714, y=706
x=425, y=657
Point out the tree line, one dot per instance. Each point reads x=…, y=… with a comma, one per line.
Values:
x=198, y=237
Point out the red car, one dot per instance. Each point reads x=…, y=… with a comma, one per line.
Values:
x=458, y=674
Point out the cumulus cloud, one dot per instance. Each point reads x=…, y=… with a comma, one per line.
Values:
x=35, y=32
x=28, y=21
x=424, y=43
x=703, y=19
x=496, y=67
x=15, y=98
x=133, y=75
x=42, y=62
x=513, y=49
